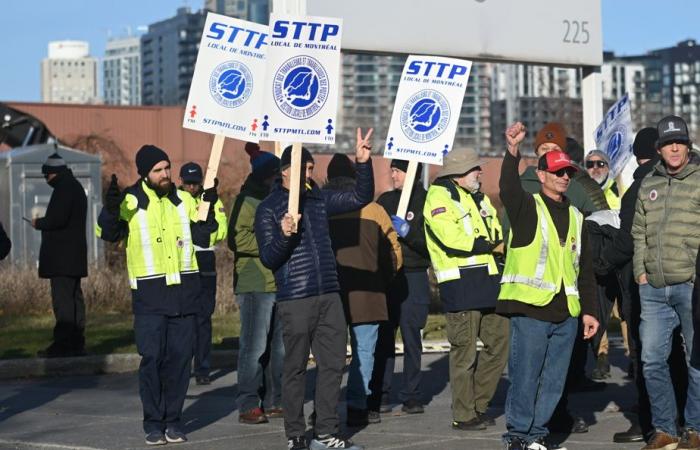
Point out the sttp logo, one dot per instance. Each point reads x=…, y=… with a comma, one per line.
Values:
x=300, y=87
x=218, y=31
x=436, y=69
x=304, y=30
x=425, y=116
x=231, y=84
x=617, y=138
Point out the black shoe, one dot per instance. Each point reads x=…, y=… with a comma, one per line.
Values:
x=486, y=419
x=156, y=438
x=175, y=436
x=471, y=425
x=515, y=444
x=602, y=368
x=54, y=351
x=634, y=434
x=374, y=417
x=357, y=417
x=202, y=380
x=412, y=407
x=333, y=441
x=568, y=424
x=297, y=443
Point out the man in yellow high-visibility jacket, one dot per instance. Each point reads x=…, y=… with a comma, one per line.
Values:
x=191, y=178
x=159, y=224
x=462, y=232
x=546, y=284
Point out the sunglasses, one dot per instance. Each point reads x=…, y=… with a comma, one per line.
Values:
x=599, y=164
x=566, y=170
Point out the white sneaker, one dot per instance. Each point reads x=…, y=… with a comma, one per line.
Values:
x=540, y=445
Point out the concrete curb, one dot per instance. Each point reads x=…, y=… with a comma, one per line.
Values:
x=129, y=362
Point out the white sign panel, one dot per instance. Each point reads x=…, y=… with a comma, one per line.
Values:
x=615, y=136
x=564, y=32
x=302, y=83
x=227, y=91
x=427, y=107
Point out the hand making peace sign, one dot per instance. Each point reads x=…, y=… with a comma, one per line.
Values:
x=363, y=148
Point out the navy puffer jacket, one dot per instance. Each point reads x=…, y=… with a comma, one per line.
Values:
x=304, y=263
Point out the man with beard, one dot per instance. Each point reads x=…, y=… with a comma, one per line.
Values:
x=191, y=177
x=63, y=257
x=161, y=225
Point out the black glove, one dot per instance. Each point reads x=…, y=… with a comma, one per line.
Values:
x=481, y=246
x=210, y=195
x=113, y=196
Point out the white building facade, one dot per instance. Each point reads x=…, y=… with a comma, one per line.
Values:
x=69, y=74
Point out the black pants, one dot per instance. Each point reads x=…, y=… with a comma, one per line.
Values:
x=317, y=324
x=202, y=349
x=608, y=290
x=409, y=302
x=165, y=345
x=69, y=310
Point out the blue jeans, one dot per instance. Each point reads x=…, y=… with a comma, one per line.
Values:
x=539, y=360
x=363, y=340
x=664, y=309
x=261, y=352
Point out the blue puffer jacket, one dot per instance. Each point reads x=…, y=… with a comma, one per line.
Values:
x=304, y=263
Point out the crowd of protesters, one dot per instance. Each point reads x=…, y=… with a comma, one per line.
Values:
x=532, y=288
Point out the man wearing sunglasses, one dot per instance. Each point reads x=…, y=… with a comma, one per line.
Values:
x=546, y=284
x=598, y=167
x=666, y=239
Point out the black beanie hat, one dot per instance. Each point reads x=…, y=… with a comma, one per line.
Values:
x=644, y=145
x=574, y=150
x=54, y=164
x=286, y=159
x=263, y=164
x=402, y=165
x=147, y=157
x=340, y=166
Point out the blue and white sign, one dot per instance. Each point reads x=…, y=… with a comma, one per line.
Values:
x=226, y=93
x=302, y=84
x=427, y=107
x=615, y=136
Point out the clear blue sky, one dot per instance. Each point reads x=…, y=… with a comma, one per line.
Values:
x=629, y=27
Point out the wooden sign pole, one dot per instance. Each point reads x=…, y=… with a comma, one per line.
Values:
x=278, y=149
x=294, y=183
x=212, y=169
x=407, y=188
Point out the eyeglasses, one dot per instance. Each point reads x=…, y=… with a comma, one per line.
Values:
x=599, y=164
x=566, y=170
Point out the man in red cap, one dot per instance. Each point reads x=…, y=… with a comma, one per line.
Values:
x=546, y=284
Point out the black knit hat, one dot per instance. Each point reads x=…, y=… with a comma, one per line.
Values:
x=574, y=150
x=340, y=166
x=147, y=157
x=644, y=146
x=286, y=159
x=402, y=165
x=263, y=164
x=54, y=164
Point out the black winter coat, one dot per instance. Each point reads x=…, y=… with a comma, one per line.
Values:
x=304, y=263
x=413, y=247
x=5, y=244
x=63, y=251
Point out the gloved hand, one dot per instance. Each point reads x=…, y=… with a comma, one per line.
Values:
x=400, y=225
x=210, y=195
x=113, y=196
x=482, y=246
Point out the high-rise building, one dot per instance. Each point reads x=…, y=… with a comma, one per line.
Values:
x=168, y=56
x=121, y=76
x=252, y=10
x=69, y=74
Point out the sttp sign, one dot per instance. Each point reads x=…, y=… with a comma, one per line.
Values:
x=427, y=107
x=614, y=135
x=302, y=82
x=226, y=93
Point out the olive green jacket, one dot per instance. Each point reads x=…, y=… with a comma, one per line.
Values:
x=666, y=229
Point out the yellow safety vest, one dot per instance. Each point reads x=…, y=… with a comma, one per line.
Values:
x=456, y=224
x=610, y=195
x=159, y=243
x=534, y=274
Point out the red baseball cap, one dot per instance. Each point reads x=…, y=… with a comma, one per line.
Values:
x=555, y=160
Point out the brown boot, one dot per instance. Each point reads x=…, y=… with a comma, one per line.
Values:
x=690, y=440
x=661, y=441
x=252, y=417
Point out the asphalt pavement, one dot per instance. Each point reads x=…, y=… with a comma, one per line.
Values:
x=103, y=412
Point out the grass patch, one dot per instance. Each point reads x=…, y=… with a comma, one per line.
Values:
x=22, y=337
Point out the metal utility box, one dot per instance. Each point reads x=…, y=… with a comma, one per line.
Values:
x=25, y=193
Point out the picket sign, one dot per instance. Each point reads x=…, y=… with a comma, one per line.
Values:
x=407, y=189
